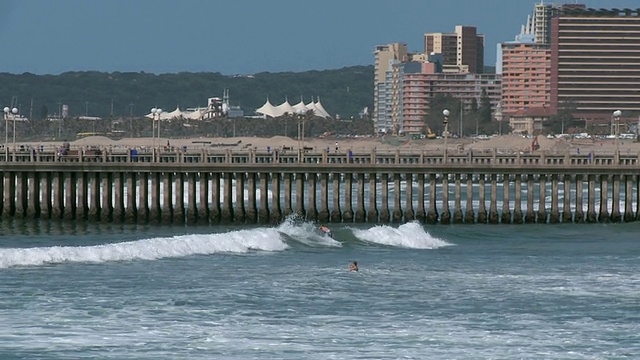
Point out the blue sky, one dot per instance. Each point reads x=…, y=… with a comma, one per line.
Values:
x=237, y=36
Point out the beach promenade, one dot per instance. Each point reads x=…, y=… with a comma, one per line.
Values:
x=503, y=143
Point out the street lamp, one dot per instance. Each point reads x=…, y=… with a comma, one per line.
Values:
x=616, y=118
x=285, y=125
x=301, y=117
x=155, y=113
x=499, y=118
x=7, y=112
x=445, y=122
x=301, y=114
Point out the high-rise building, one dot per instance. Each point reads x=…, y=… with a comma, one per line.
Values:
x=384, y=58
x=458, y=53
x=525, y=66
x=595, y=62
x=462, y=50
x=526, y=76
x=421, y=83
x=538, y=22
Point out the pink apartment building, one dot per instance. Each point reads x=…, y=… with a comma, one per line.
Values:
x=526, y=77
x=421, y=82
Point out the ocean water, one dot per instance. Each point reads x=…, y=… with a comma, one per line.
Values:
x=283, y=292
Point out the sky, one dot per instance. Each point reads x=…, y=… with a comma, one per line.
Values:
x=238, y=36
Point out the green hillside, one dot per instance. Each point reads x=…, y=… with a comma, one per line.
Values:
x=343, y=91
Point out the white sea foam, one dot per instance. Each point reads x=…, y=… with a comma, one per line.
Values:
x=306, y=232
x=410, y=235
x=147, y=249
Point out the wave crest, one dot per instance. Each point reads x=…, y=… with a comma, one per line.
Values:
x=148, y=249
x=410, y=235
x=306, y=232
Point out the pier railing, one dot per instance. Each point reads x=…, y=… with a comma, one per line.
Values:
x=452, y=158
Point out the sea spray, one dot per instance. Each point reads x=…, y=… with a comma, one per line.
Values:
x=409, y=235
x=305, y=232
x=241, y=241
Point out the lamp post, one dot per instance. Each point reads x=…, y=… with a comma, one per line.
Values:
x=155, y=113
x=499, y=118
x=445, y=122
x=301, y=117
x=7, y=112
x=301, y=114
x=616, y=118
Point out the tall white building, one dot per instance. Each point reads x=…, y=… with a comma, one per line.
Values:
x=384, y=58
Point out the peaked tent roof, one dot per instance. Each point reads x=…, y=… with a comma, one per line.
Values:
x=312, y=106
x=275, y=111
x=321, y=110
x=300, y=106
x=284, y=108
x=268, y=109
x=167, y=115
x=173, y=114
x=194, y=115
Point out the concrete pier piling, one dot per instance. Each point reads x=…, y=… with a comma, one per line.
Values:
x=505, y=217
x=493, y=201
x=469, y=216
x=445, y=214
x=142, y=208
x=300, y=208
x=409, y=213
x=252, y=207
x=213, y=188
x=482, y=210
x=603, y=215
x=517, y=206
x=372, y=213
x=348, y=214
x=239, y=214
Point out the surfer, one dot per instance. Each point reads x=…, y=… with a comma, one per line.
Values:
x=353, y=266
x=325, y=230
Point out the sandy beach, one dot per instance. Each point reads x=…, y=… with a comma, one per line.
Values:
x=508, y=143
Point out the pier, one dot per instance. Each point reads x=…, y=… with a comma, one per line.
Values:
x=205, y=186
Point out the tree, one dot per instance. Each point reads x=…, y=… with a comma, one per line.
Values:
x=44, y=112
x=474, y=106
x=563, y=120
x=485, y=107
x=434, y=118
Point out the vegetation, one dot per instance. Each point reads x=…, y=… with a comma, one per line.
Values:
x=343, y=92
x=564, y=121
x=70, y=129
x=476, y=120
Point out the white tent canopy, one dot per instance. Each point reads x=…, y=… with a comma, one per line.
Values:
x=276, y=111
x=300, y=106
x=167, y=115
x=285, y=108
x=173, y=114
x=320, y=111
x=268, y=110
